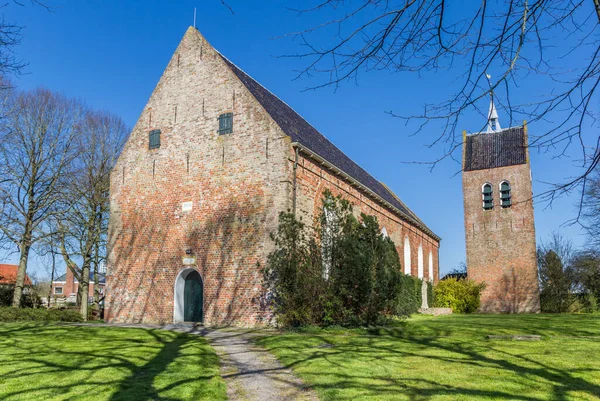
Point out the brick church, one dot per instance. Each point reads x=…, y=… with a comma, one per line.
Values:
x=499, y=226
x=211, y=162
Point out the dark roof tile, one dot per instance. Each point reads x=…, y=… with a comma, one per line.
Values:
x=496, y=149
x=302, y=132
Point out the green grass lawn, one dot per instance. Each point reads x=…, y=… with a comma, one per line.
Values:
x=449, y=358
x=54, y=362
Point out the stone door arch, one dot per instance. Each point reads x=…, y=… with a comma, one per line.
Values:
x=189, y=297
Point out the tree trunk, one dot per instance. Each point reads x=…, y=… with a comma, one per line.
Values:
x=96, y=279
x=84, y=289
x=20, y=282
x=52, y=276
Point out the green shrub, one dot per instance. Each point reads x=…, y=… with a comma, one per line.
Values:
x=591, y=303
x=29, y=299
x=408, y=296
x=556, y=283
x=575, y=306
x=10, y=314
x=463, y=296
x=343, y=272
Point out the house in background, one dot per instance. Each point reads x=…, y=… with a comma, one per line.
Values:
x=65, y=287
x=8, y=275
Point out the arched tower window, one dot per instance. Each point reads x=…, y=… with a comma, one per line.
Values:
x=420, y=262
x=406, y=256
x=384, y=232
x=505, y=196
x=488, y=197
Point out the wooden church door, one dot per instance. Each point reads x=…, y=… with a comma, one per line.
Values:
x=193, y=298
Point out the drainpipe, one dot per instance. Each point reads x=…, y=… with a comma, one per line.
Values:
x=294, y=182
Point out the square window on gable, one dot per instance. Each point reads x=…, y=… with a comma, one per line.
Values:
x=154, y=139
x=225, y=123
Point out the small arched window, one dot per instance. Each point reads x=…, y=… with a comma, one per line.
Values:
x=505, y=196
x=488, y=198
x=384, y=232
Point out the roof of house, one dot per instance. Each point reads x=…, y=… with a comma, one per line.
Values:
x=300, y=131
x=8, y=275
x=101, y=278
x=456, y=275
x=495, y=149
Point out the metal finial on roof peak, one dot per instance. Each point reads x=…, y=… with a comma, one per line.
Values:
x=493, y=123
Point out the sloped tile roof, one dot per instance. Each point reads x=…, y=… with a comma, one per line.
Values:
x=101, y=278
x=299, y=130
x=8, y=275
x=496, y=149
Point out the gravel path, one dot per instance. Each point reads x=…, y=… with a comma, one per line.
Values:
x=251, y=373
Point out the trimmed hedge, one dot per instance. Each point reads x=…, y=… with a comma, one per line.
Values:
x=409, y=298
x=463, y=296
x=28, y=299
x=10, y=314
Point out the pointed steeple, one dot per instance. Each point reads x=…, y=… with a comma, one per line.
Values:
x=493, y=123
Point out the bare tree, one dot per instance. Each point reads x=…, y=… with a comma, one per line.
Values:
x=513, y=40
x=10, y=37
x=36, y=151
x=83, y=227
x=561, y=246
x=591, y=208
x=556, y=273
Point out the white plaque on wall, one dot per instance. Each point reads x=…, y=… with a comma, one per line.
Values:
x=187, y=206
x=189, y=261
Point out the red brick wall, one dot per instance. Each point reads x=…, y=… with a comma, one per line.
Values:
x=70, y=286
x=501, y=249
x=236, y=182
x=313, y=179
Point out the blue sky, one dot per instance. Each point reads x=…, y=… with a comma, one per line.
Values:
x=111, y=54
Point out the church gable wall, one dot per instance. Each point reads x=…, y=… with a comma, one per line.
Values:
x=202, y=197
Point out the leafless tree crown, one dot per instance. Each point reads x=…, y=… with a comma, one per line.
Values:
x=512, y=40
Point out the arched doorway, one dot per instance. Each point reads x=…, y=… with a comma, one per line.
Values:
x=189, y=297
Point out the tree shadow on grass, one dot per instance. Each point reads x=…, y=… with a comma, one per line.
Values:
x=146, y=364
x=340, y=365
x=141, y=380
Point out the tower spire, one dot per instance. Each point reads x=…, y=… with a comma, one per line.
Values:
x=493, y=123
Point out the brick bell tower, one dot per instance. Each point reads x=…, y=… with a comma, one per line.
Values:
x=499, y=226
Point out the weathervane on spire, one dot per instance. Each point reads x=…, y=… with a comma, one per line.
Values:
x=493, y=124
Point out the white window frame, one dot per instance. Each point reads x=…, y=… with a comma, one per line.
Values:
x=420, y=266
x=483, y=196
x=509, y=192
x=430, y=270
x=327, y=242
x=58, y=293
x=407, y=267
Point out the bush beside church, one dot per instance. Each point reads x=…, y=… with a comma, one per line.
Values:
x=341, y=271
